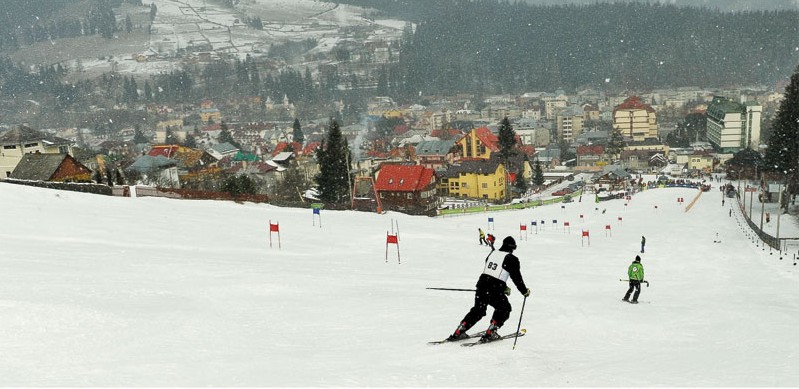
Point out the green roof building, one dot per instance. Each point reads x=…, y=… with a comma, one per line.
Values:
x=733, y=126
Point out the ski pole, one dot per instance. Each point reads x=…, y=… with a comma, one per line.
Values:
x=519, y=327
x=457, y=290
x=645, y=282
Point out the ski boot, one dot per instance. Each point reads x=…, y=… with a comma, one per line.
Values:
x=459, y=334
x=491, y=333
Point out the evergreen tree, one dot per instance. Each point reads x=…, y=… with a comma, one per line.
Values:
x=239, y=185
x=297, y=135
x=507, y=139
x=170, y=137
x=97, y=177
x=782, y=153
x=615, y=145
x=745, y=164
x=138, y=135
x=120, y=180
x=538, y=174
x=190, y=141
x=333, y=157
x=292, y=184
x=521, y=183
x=507, y=143
x=693, y=128
x=382, y=82
x=148, y=91
x=566, y=153
x=226, y=136
x=134, y=90
x=109, y=175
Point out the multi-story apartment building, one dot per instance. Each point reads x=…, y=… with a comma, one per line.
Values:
x=635, y=119
x=732, y=126
x=569, y=124
x=551, y=107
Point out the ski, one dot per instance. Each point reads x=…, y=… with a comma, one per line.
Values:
x=469, y=336
x=513, y=335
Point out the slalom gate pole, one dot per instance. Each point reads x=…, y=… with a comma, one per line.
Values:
x=643, y=282
x=454, y=289
x=519, y=327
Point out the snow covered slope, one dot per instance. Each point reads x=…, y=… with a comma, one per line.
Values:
x=102, y=291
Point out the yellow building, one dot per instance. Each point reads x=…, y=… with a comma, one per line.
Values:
x=476, y=179
x=635, y=119
x=394, y=114
x=696, y=160
x=478, y=143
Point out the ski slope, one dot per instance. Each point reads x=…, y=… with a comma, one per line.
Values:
x=104, y=291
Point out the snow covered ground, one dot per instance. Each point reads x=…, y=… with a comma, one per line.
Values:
x=104, y=291
x=198, y=26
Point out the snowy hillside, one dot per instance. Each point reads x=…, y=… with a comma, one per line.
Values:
x=103, y=291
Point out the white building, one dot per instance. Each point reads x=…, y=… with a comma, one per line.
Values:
x=732, y=126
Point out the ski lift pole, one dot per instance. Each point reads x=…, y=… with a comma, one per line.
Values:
x=519, y=327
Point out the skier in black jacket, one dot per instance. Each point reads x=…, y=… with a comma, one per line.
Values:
x=492, y=290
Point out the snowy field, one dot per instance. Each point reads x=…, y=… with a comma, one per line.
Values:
x=104, y=291
x=206, y=26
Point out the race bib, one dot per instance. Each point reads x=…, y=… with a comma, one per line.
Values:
x=494, y=269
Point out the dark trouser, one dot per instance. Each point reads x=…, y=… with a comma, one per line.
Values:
x=483, y=241
x=634, y=285
x=484, y=298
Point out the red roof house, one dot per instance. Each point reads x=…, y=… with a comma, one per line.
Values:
x=409, y=189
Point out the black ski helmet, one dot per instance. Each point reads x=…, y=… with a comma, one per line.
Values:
x=637, y=258
x=508, y=244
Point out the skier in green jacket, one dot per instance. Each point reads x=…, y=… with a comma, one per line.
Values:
x=635, y=273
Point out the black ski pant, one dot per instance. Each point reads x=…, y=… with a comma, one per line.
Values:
x=484, y=298
x=634, y=285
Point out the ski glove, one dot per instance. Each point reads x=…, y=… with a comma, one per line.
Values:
x=527, y=293
x=507, y=291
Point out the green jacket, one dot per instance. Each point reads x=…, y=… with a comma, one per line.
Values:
x=636, y=271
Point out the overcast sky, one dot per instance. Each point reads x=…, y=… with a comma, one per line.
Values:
x=724, y=5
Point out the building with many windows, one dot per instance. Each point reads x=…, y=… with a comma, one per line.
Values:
x=733, y=126
x=635, y=119
x=569, y=123
x=476, y=179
